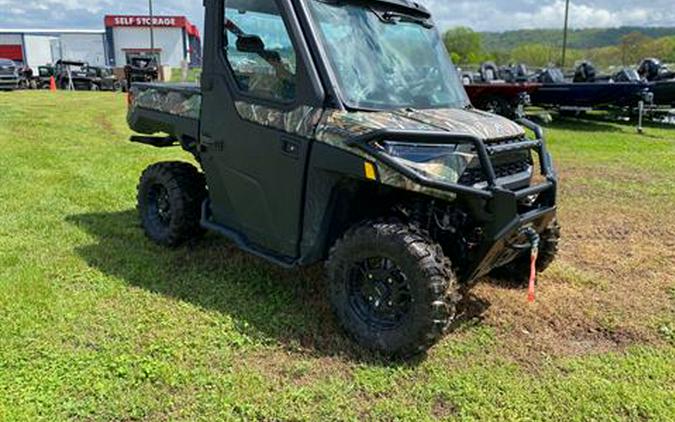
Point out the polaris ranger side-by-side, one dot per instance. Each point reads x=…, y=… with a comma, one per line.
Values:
x=75, y=75
x=339, y=131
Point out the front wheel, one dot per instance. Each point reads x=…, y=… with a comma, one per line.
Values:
x=170, y=197
x=392, y=288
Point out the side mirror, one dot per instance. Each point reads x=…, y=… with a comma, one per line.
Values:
x=250, y=44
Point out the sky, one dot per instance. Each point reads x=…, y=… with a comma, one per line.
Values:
x=481, y=15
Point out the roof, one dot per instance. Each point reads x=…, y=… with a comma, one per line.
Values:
x=50, y=31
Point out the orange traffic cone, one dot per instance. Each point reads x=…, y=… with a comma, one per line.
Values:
x=52, y=84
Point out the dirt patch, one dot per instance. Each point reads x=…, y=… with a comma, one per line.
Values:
x=609, y=285
x=106, y=125
x=442, y=409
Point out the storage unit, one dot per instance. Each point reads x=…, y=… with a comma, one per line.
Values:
x=175, y=39
x=38, y=47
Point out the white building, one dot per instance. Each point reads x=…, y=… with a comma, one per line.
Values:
x=175, y=39
x=37, y=47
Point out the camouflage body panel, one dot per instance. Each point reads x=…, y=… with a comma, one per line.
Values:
x=480, y=124
x=335, y=127
x=184, y=103
x=301, y=121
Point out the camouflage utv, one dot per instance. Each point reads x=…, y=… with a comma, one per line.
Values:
x=339, y=132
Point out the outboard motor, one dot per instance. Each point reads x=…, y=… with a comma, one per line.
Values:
x=585, y=73
x=626, y=75
x=650, y=69
x=551, y=76
x=522, y=72
x=507, y=74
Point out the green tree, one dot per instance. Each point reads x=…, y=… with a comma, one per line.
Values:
x=535, y=54
x=662, y=48
x=633, y=47
x=464, y=44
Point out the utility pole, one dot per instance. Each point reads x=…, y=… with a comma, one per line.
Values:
x=567, y=17
x=152, y=30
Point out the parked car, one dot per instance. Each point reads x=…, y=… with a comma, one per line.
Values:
x=9, y=75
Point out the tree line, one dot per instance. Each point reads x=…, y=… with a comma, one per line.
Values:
x=467, y=48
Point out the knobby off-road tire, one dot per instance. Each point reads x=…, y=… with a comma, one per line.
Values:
x=392, y=288
x=170, y=197
x=518, y=271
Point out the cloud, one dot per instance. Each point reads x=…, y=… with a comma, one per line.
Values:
x=494, y=15
x=483, y=15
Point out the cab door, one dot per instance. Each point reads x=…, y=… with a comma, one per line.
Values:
x=257, y=76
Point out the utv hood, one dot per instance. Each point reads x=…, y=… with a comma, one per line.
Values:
x=485, y=126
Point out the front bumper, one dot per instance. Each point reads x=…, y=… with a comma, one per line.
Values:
x=8, y=82
x=502, y=212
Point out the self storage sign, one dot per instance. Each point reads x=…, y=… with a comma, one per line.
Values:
x=144, y=21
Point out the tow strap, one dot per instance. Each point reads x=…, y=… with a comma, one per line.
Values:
x=534, y=254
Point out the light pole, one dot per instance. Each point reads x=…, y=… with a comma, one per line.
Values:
x=152, y=30
x=567, y=17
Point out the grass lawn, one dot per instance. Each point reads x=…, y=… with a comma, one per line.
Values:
x=97, y=323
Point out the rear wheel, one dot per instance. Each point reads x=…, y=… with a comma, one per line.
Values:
x=170, y=197
x=518, y=271
x=392, y=288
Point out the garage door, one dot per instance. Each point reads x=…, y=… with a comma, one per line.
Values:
x=12, y=52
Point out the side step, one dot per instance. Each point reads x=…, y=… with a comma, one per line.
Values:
x=155, y=141
x=242, y=242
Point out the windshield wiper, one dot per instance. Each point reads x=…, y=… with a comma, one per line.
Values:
x=392, y=17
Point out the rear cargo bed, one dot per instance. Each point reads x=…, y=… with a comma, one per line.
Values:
x=173, y=109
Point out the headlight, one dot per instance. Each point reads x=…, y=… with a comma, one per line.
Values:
x=444, y=163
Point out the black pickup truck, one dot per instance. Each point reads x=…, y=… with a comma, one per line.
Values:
x=339, y=132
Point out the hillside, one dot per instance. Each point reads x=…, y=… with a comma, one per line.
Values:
x=579, y=38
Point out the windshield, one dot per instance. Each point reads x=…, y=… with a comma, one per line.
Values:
x=386, y=60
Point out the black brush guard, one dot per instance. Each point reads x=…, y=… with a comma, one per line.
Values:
x=496, y=205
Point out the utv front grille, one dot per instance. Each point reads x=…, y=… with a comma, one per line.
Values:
x=509, y=165
x=474, y=176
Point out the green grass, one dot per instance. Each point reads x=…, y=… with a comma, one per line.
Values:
x=193, y=75
x=96, y=323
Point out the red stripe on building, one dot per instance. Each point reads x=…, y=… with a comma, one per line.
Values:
x=12, y=52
